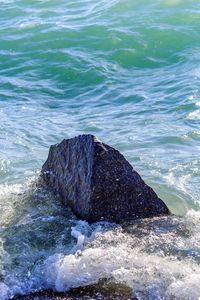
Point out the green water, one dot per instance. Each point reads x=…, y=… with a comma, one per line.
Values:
x=127, y=71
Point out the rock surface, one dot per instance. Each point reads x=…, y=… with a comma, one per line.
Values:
x=98, y=183
x=92, y=292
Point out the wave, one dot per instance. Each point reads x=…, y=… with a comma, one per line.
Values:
x=157, y=258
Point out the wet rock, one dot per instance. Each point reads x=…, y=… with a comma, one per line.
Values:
x=98, y=183
x=103, y=290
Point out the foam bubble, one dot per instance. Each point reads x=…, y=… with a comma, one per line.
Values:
x=4, y=291
x=81, y=232
x=4, y=165
x=195, y=115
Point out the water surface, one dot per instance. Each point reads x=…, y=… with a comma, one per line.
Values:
x=128, y=72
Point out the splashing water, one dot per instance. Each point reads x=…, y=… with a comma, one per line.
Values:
x=47, y=247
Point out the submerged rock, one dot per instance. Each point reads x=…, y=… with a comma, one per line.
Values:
x=98, y=183
x=103, y=290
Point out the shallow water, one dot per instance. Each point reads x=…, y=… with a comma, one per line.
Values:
x=128, y=72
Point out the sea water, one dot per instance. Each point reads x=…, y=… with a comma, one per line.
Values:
x=129, y=72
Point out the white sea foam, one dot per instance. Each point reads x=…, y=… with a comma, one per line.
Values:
x=157, y=259
x=4, y=291
x=195, y=115
x=124, y=258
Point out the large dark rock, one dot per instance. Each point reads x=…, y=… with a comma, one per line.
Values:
x=98, y=183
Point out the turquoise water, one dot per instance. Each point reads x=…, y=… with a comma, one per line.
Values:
x=127, y=71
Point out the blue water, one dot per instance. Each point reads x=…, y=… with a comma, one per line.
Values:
x=126, y=71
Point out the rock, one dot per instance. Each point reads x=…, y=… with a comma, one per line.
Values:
x=103, y=290
x=98, y=183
